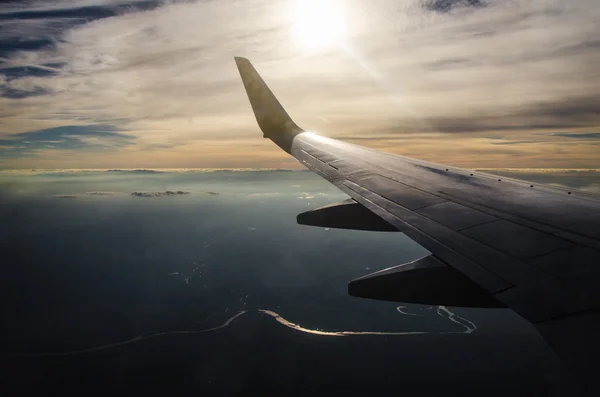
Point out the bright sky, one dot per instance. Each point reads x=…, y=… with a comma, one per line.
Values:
x=150, y=83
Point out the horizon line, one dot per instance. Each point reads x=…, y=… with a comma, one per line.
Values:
x=182, y=170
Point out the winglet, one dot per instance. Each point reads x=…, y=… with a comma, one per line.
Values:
x=272, y=118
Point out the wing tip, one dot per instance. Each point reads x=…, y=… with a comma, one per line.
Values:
x=272, y=118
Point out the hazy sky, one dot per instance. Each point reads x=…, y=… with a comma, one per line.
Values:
x=150, y=83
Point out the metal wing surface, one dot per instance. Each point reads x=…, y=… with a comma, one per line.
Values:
x=494, y=241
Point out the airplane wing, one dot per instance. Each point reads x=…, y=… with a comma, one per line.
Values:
x=494, y=241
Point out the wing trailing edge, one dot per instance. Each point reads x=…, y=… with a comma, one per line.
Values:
x=347, y=214
x=425, y=281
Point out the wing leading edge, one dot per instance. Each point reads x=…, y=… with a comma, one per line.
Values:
x=494, y=241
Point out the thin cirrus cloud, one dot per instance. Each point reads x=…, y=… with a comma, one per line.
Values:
x=434, y=77
x=585, y=135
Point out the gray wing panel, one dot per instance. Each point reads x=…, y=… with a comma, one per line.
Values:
x=535, y=248
x=514, y=240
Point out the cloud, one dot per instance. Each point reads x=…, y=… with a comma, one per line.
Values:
x=448, y=5
x=137, y=171
x=86, y=9
x=35, y=28
x=78, y=195
x=103, y=193
x=71, y=172
x=584, y=180
x=305, y=195
x=24, y=91
x=574, y=112
x=68, y=137
x=158, y=194
x=163, y=72
x=513, y=142
x=264, y=194
x=583, y=135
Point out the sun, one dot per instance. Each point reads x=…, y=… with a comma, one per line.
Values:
x=318, y=24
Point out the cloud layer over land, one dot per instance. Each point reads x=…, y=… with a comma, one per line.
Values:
x=149, y=84
x=157, y=194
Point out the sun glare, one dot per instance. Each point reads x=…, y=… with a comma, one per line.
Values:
x=318, y=24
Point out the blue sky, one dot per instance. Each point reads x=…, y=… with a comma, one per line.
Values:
x=128, y=84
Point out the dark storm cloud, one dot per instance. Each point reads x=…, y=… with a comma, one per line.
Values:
x=448, y=5
x=67, y=137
